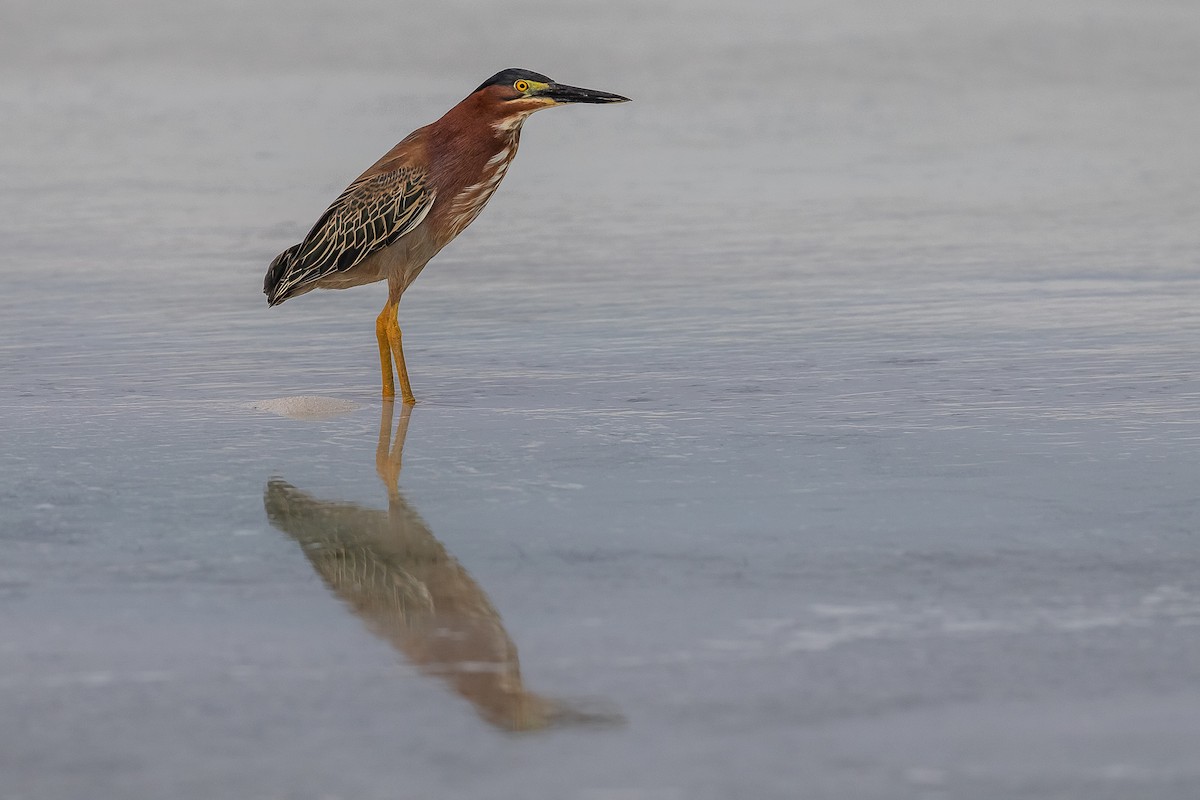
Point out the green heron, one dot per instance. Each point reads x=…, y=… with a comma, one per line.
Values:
x=398, y=214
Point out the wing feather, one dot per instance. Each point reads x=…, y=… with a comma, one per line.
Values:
x=370, y=215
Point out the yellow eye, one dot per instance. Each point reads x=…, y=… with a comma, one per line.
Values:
x=521, y=86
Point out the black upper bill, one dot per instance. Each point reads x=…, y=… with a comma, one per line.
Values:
x=561, y=93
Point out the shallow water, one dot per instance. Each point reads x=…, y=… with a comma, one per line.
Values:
x=822, y=424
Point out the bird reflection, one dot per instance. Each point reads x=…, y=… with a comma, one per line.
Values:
x=394, y=573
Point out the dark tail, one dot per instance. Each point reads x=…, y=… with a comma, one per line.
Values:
x=273, y=284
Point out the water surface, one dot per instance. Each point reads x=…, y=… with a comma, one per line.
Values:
x=821, y=424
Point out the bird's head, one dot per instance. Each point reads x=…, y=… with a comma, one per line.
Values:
x=514, y=94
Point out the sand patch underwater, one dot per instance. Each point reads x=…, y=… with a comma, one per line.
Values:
x=306, y=406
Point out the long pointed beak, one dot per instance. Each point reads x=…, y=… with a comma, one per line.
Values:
x=561, y=93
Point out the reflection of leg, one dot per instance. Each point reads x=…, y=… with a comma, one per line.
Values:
x=401, y=434
x=385, y=348
x=382, y=467
x=389, y=462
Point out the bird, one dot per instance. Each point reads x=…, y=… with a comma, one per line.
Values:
x=396, y=216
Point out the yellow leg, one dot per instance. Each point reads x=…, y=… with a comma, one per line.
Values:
x=385, y=349
x=397, y=353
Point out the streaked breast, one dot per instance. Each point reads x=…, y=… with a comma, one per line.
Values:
x=466, y=205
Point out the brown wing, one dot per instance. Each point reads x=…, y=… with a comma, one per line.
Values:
x=371, y=214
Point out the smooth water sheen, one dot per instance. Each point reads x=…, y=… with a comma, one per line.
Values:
x=822, y=424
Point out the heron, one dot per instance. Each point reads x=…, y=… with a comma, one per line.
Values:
x=415, y=200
